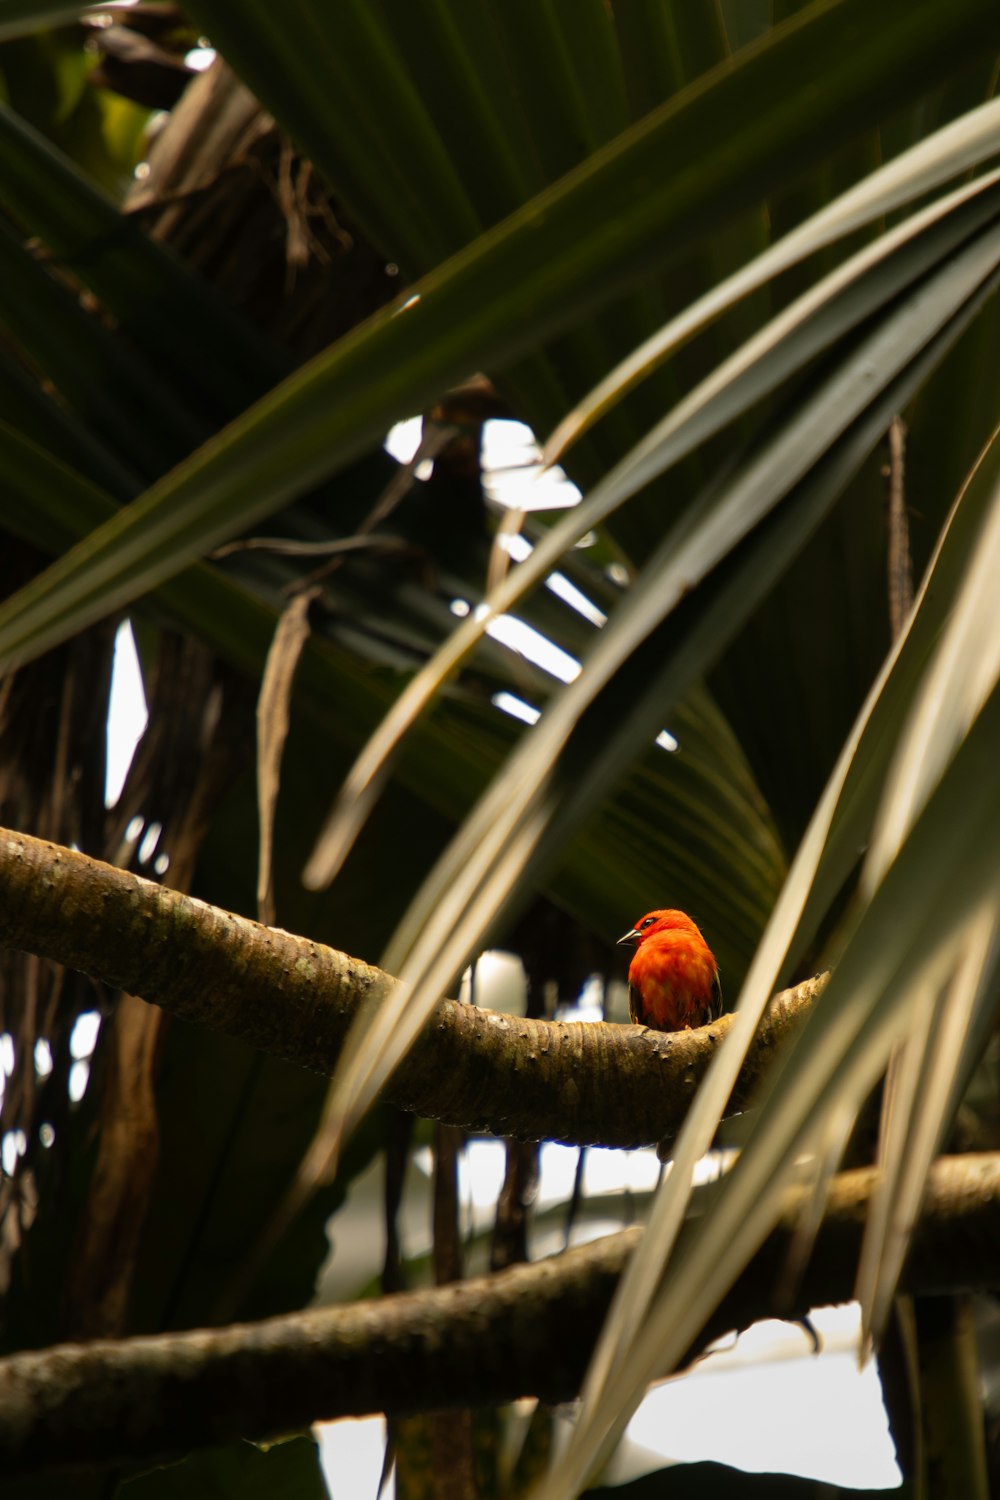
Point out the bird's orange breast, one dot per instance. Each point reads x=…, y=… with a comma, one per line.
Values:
x=673, y=982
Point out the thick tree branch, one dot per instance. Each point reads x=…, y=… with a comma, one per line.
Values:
x=582, y=1084
x=526, y=1331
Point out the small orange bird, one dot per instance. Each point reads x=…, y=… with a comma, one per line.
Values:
x=673, y=979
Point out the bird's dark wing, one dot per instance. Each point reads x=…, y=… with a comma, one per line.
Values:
x=635, y=1005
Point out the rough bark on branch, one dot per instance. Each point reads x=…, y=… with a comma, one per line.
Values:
x=593, y=1084
x=525, y=1331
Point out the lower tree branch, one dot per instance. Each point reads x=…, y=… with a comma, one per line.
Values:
x=525, y=1331
x=594, y=1084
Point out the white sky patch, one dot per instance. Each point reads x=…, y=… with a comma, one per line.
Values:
x=518, y=548
x=512, y=473
x=404, y=439
x=200, y=58
x=784, y=1426
x=500, y=983
x=83, y=1038
x=43, y=1058
x=481, y=1169
x=351, y=1455
x=15, y=1144
x=510, y=460
x=528, y=642
x=510, y=703
x=507, y=444
x=665, y=740
x=606, y=1171
x=149, y=841
x=79, y=1077
x=127, y=715
x=609, y=1171
x=575, y=598
x=587, y=1005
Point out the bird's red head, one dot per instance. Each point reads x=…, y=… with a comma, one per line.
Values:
x=659, y=921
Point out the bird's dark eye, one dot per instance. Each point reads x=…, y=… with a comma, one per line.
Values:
x=647, y=923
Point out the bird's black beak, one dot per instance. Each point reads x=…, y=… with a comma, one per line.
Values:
x=632, y=936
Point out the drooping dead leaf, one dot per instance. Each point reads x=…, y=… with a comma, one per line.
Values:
x=272, y=731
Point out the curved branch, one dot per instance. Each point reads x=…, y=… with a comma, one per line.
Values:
x=526, y=1331
x=584, y=1084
